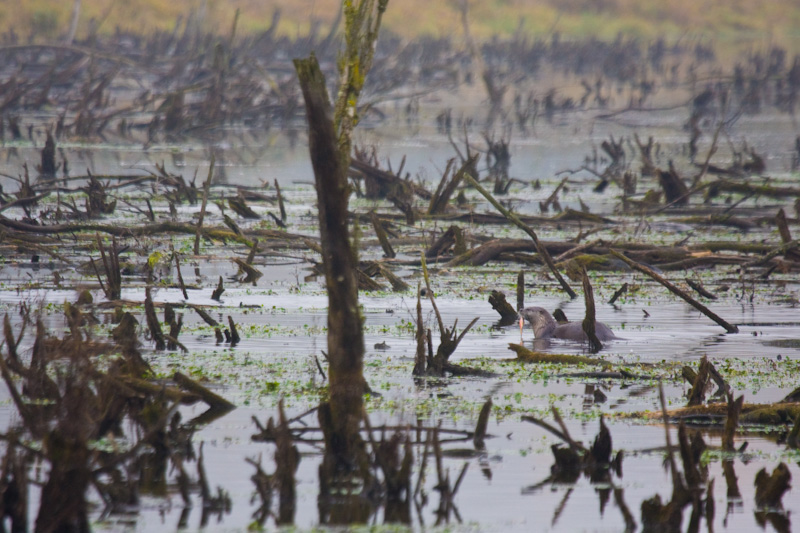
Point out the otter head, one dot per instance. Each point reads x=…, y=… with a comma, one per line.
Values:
x=541, y=321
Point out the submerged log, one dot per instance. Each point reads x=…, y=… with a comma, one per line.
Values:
x=529, y=356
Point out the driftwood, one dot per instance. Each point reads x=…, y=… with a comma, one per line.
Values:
x=281, y=206
x=239, y=205
x=755, y=190
x=113, y=285
x=438, y=364
x=216, y=294
x=699, y=383
x=374, y=268
x=153, y=323
x=251, y=274
x=759, y=414
x=387, y=179
x=699, y=289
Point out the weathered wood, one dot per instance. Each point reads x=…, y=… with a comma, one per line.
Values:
x=389, y=180
x=398, y=285
x=446, y=187
x=217, y=293
x=520, y=290
x=449, y=337
x=508, y=315
x=439, y=200
x=619, y=292
x=152, y=321
x=345, y=335
x=742, y=187
x=734, y=409
x=239, y=205
x=527, y=229
x=206, y=186
x=699, y=384
x=281, y=207
x=383, y=238
x=589, y=320
x=445, y=241
x=234, y=333
x=790, y=254
x=251, y=274
x=214, y=400
x=529, y=356
x=181, y=284
x=675, y=190
x=113, y=286
x=730, y=328
x=699, y=289
x=420, y=356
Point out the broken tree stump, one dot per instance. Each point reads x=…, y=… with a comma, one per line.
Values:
x=508, y=315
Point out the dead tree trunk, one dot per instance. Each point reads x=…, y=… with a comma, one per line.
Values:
x=345, y=337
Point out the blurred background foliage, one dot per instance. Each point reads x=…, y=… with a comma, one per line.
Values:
x=727, y=23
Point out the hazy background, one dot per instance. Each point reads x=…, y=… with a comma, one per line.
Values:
x=728, y=23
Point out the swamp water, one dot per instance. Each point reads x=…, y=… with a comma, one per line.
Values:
x=282, y=318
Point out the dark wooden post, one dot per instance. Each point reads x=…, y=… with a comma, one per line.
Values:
x=345, y=338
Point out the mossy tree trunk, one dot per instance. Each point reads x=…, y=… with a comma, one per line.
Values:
x=330, y=129
x=345, y=337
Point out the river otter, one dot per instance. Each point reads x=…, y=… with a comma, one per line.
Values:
x=545, y=327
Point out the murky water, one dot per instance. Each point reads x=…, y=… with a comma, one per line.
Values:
x=282, y=322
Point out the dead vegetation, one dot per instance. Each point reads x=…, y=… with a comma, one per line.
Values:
x=76, y=389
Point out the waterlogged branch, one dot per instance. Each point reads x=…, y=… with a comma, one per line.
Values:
x=527, y=229
x=730, y=328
